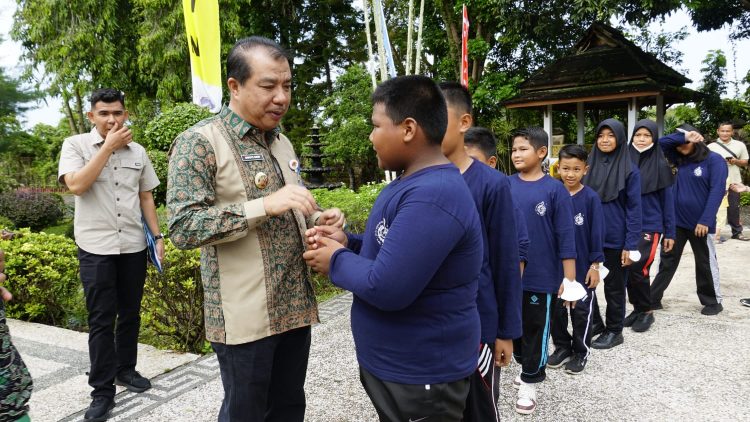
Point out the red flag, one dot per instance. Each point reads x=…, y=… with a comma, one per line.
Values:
x=464, y=50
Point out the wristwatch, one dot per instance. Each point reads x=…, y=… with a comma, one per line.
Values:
x=159, y=236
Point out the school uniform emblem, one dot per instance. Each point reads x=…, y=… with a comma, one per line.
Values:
x=381, y=231
x=541, y=208
x=261, y=180
x=698, y=172
x=578, y=219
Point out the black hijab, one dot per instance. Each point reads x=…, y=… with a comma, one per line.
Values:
x=608, y=172
x=655, y=171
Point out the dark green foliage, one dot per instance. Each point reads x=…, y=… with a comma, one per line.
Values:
x=164, y=128
x=42, y=272
x=31, y=209
x=160, y=161
x=172, y=307
x=745, y=199
x=356, y=206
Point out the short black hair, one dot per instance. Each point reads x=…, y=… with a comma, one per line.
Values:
x=725, y=123
x=417, y=97
x=482, y=139
x=237, y=65
x=573, y=151
x=107, y=95
x=536, y=136
x=457, y=96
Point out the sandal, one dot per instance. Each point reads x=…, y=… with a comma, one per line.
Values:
x=741, y=237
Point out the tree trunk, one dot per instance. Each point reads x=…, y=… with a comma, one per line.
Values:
x=352, y=179
x=82, y=127
x=69, y=114
x=454, y=35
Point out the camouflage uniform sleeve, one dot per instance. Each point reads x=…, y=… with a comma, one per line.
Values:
x=194, y=219
x=15, y=380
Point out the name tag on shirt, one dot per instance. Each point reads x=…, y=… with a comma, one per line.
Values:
x=252, y=157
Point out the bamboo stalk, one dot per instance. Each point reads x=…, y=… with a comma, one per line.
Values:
x=409, y=37
x=370, y=59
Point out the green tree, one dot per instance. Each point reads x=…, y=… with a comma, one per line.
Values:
x=714, y=85
x=346, y=114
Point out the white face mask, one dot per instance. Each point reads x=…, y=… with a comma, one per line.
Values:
x=641, y=150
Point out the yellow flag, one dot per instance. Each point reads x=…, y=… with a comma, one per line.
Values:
x=204, y=42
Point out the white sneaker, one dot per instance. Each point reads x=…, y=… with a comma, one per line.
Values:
x=526, y=402
x=517, y=381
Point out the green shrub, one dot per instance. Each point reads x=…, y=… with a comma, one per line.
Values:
x=35, y=210
x=7, y=183
x=745, y=199
x=355, y=205
x=42, y=272
x=6, y=223
x=164, y=128
x=172, y=307
x=160, y=161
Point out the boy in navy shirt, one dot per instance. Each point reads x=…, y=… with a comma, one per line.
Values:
x=499, y=298
x=414, y=272
x=698, y=191
x=589, y=233
x=481, y=145
x=547, y=207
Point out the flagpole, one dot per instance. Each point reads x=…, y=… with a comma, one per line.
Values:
x=370, y=59
x=464, y=48
x=379, y=37
x=418, y=58
x=409, y=36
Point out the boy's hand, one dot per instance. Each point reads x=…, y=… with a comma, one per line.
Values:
x=701, y=230
x=313, y=235
x=592, y=278
x=331, y=217
x=319, y=258
x=567, y=304
x=625, y=258
x=667, y=245
x=503, y=352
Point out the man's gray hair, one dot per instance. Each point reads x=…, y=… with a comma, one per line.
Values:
x=237, y=64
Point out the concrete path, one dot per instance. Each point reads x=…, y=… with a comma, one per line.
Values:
x=688, y=367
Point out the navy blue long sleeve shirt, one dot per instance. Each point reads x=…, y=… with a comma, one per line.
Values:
x=523, y=236
x=622, y=216
x=546, y=207
x=657, y=210
x=698, y=188
x=589, y=227
x=500, y=292
x=414, y=274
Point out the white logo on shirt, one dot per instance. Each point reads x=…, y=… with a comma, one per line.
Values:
x=381, y=231
x=578, y=219
x=698, y=172
x=541, y=208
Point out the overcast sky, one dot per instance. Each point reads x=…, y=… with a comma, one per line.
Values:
x=694, y=47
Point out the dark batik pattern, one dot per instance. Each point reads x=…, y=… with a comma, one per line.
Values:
x=213, y=315
x=15, y=380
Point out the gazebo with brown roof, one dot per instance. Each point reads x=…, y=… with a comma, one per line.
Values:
x=605, y=71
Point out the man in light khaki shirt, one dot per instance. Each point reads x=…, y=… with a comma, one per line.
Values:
x=735, y=153
x=112, y=179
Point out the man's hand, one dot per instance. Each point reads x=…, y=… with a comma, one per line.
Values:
x=118, y=137
x=701, y=230
x=290, y=197
x=160, y=249
x=4, y=293
x=331, y=217
x=693, y=137
x=567, y=304
x=592, y=278
x=667, y=245
x=625, y=258
x=319, y=259
x=503, y=352
x=313, y=235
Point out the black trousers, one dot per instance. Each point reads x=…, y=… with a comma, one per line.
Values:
x=416, y=402
x=581, y=316
x=113, y=285
x=264, y=380
x=706, y=267
x=639, y=280
x=484, y=389
x=614, y=291
x=733, y=212
x=531, y=348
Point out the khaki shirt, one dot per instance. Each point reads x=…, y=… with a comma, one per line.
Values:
x=255, y=281
x=739, y=149
x=108, y=216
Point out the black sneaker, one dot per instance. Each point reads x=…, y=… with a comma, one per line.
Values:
x=712, y=309
x=133, y=381
x=607, y=340
x=576, y=365
x=643, y=322
x=99, y=409
x=630, y=319
x=745, y=302
x=559, y=357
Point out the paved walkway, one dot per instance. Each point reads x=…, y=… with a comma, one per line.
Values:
x=688, y=367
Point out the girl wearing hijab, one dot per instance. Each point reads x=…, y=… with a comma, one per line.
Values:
x=698, y=190
x=657, y=214
x=617, y=181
